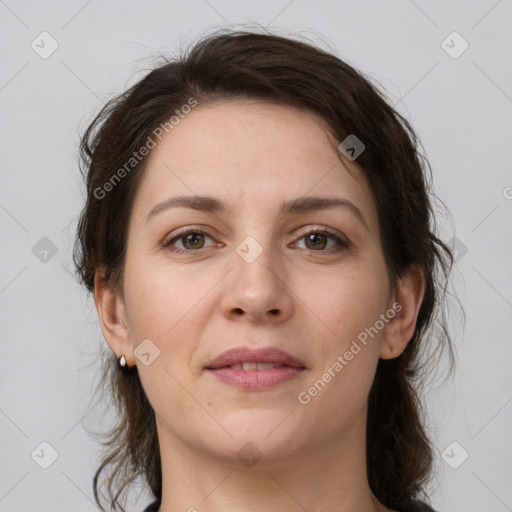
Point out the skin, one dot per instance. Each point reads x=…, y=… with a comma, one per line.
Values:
x=309, y=300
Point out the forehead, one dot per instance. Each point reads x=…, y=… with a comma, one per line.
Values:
x=253, y=153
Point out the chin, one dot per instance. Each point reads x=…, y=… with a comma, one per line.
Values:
x=272, y=432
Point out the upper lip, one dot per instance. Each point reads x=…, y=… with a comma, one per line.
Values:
x=239, y=355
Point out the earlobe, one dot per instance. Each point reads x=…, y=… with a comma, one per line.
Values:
x=113, y=321
x=399, y=331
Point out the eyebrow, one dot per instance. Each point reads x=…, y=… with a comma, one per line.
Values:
x=294, y=206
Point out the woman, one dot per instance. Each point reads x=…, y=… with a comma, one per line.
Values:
x=258, y=236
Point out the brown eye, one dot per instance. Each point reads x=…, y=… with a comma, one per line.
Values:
x=191, y=240
x=318, y=241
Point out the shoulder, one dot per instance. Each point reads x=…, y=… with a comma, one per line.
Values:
x=152, y=507
x=418, y=506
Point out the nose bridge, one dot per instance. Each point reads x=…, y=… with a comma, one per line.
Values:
x=257, y=289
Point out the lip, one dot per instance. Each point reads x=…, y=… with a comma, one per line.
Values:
x=239, y=355
x=253, y=380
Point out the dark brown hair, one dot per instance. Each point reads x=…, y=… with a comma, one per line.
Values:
x=243, y=64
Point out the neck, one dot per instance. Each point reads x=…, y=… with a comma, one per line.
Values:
x=326, y=477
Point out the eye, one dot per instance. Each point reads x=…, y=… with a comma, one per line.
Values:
x=317, y=240
x=191, y=240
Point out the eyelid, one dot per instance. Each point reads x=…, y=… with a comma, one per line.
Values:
x=325, y=229
x=339, y=238
x=183, y=232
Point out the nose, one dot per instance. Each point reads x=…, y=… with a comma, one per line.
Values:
x=257, y=291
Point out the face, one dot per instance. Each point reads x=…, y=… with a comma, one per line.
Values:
x=308, y=281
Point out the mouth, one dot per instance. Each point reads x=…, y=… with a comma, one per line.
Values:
x=255, y=369
x=250, y=359
x=254, y=366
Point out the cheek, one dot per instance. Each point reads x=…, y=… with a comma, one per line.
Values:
x=169, y=306
x=157, y=297
x=352, y=306
x=162, y=306
x=350, y=302
x=150, y=306
x=347, y=356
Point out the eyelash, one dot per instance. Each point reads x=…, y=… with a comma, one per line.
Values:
x=168, y=245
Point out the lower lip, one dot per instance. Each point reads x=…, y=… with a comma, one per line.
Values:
x=256, y=379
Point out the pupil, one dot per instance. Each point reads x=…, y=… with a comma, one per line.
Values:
x=188, y=237
x=311, y=237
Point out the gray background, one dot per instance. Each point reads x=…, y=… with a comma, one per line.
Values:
x=460, y=105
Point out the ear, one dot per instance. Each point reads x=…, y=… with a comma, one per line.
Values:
x=113, y=320
x=400, y=329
